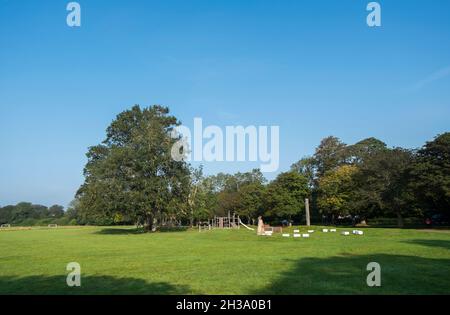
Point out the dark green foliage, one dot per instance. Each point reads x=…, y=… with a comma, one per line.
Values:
x=132, y=173
x=431, y=175
x=363, y=150
x=382, y=183
x=28, y=214
x=330, y=154
x=285, y=196
x=386, y=182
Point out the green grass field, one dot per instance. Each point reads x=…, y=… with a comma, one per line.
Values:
x=124, y=261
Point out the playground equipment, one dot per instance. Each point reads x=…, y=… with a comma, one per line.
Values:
x=228, y=222
x=248, y=228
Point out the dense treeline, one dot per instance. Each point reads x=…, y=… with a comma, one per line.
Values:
x=362, y=181
x=131, y=178
x=369, y=180
x=27, y=214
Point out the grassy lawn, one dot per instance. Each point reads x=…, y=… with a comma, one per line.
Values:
x=121, y=260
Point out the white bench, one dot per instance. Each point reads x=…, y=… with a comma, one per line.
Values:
x=345, y=233
x=325, y=230
x=305, y=235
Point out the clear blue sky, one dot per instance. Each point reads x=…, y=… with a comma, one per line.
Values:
x=312, y=67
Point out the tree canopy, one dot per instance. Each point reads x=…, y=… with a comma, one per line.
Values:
x=132, y=172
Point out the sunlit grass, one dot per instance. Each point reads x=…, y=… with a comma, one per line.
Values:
x=122, y=260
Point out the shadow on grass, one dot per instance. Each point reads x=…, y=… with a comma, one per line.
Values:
x=133, y=231
x=93, y=285
x=173, y=229
x=406, y=227
x=431, y=243
x=120, y=231
x=347, y=275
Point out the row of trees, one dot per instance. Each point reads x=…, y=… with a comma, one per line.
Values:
x=364, y=180
x=371, y=180
x=249, y=195
x=131, y=177
x=25, y=213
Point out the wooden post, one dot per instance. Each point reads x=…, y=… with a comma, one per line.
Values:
x=308, y=217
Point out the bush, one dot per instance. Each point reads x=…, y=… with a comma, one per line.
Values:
x=392, y=222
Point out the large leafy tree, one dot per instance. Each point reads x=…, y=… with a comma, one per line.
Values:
x=382, y=185
x=251, y=201
x=329, y=154
x=306, y=167
x=235, y=191
x=336, y=191
x=431, y=175
x=132, y=173
x=364, y=149
x=200, y=198
x=285, y=196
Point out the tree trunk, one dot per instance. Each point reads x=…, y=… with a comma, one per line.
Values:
x=400, y=222
x=151, y=223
